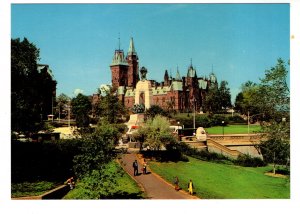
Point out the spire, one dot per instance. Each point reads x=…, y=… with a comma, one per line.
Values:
x=119, y=42
x=177, y=77
x=166, y=77
x=131, y=50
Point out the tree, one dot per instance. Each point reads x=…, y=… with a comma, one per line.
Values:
x=276, y=146
x=97, y=149
x=81, y=107
x=110, y=107
x=224, y=95
x=156, y=133
x=274, y=101
x=274, y=98
x=246, y=100
x=62, y=101
x=155, y=110
x=211, y=102
x=31, y=90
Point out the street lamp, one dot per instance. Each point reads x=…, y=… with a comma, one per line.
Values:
x=223, y=127
x=194, y=120
x=178, y=127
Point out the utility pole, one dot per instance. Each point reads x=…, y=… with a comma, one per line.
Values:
x=194, y=120
x=69, y=109
x=248, y=123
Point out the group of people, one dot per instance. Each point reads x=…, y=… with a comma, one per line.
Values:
x=190, y=185
x=176, y=180
x=136, y=167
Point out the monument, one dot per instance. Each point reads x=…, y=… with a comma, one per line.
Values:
x=143, y=99
x=143, y=94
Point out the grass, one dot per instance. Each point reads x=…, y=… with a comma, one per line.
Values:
x=222, y=181
x=124, y=188
x=233, y=129
x=31, y=188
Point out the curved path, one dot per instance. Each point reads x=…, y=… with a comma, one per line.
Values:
x=154, y=186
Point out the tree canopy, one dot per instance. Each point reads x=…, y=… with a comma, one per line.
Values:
x=217, y=98
x=109, y=107
x=271, y=100
x=156, y=133
x=81, y=107
x=32, y=91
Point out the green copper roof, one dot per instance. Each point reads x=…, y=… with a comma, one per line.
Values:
x=177, y=86
x=130, y=93
x=121, y=90
x=202, y=84
x=131, y=50
x=191, y=72
x=177, y=77
x=119, y=58
x=212, y=78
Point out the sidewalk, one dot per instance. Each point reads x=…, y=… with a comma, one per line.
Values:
x=154, y=186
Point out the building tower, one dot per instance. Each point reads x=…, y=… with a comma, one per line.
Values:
x=119, y=69
x=133, y=65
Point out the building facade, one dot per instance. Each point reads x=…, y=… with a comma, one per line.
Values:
x=177, y=93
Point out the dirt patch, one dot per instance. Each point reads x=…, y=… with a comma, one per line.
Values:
x=275, y=175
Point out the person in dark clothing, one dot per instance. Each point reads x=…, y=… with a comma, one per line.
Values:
x=135, y=168
x=176, y=182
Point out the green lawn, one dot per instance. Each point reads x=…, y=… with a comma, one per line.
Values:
x=31, y=188
x=233, y=129
x=221, y=181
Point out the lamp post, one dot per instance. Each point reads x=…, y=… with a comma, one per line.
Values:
x=194, y=120
x=223, y=127
x=178, y=127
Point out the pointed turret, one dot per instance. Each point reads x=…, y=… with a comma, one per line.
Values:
x=177, y=77
x=131, y=49
x=133, y=69
x=191, y=72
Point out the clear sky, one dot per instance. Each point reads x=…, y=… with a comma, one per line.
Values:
x=78, y=41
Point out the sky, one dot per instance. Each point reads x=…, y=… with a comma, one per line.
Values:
x=238, y=42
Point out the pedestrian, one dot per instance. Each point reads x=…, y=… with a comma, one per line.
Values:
x=71, y=183
x=176, y=182
x=190, y=187
x=135, y=168
x=145, y=167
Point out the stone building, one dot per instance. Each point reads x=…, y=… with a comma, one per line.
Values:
x=178, y=93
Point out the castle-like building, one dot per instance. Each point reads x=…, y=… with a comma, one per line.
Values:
x=174, y=93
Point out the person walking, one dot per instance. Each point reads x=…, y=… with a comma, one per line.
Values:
x=135, y=168
x=190, y=187
x=176, y=182
x=145, y=167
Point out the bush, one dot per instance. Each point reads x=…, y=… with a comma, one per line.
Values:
x=202, y=154
x=236, y=119
x=248, y=161
x=216, y=120
x=31, y=161
x=109, y=182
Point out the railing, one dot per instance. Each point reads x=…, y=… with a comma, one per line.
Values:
x=230, y=152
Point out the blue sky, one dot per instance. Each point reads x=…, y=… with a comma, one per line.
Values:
x=241, y=41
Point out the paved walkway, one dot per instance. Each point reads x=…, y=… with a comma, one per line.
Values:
x=154, y=186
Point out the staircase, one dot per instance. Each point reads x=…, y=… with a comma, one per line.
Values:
x=213, y=146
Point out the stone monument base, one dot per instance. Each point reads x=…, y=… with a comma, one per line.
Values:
x=135, y=120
